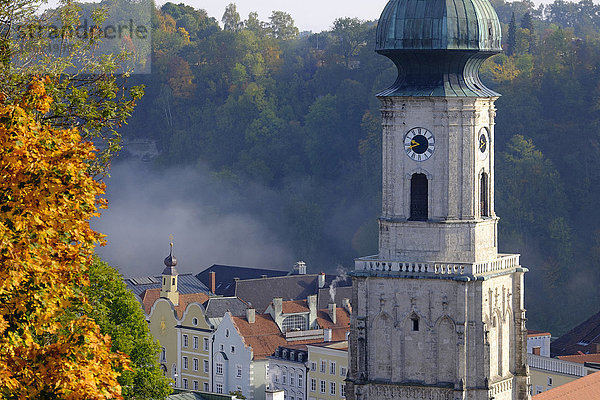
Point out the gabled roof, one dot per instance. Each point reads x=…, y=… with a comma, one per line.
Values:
x=260, y=292
x=343, y=291
x=586, y=388
x=583, y=338
x=150, y=296
x=582, y=358
x=265, y=337
x=216, y=307
x=186, y=284
x=294, y=306
x=225, y=274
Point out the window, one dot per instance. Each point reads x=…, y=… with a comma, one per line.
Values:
x=419, y=202
x=300, y=357
x=538, y=389
x=226, y=332
x=185, y=383
x=292, y=379
x=219, y=368
x=185, y=340
x=206, y=386
x=163, y=354
x=313, y=366
x=195, y=364
x=173, y=282
x=483, y=194
x=238, y=374
x=322, y=386
x=195, y=342
x=185, y=362
x=549, y=382
x=323, y=366
x=232, y=349
x=221, y=347
x=276, y=378
x=342, y=390
x=205, y=340
x=415, y=323
x=332, y=388
x=313, y=385
x=195, y=385
x=332, y=367
x=300, y=379
x=294, y=322
x=206, y=366
x=219, y=388
x=284, y=378
x=195, y=321
x=342, y=371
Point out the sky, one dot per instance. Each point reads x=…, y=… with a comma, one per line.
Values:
x=309, y=15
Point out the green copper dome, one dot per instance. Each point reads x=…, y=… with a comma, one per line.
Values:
x=438, y=45
x=438, y=25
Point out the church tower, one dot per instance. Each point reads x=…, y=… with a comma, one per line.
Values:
x=438, y=313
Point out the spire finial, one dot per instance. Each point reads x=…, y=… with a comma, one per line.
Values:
x=171, y=261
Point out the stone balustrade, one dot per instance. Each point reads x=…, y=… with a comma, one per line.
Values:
x=373, y=263
x=556, y=365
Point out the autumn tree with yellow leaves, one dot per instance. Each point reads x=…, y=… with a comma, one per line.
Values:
x=47, y=198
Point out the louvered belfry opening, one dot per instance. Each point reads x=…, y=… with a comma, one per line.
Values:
x=483, y=193
x=419, y=203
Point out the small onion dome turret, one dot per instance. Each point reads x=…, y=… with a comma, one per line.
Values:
x=438, y=45
x=170, y=263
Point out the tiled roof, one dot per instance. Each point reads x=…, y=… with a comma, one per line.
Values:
x=216, y=307
x=294, y=306
x=583, y=338
x=586, y=388
x=341, y=326
x=260, y=292
x=186, y=283
x=225, y=274
x=582, y=358
x=264, y=335
x=533, y=333
x=341, y=292
x=150, y=296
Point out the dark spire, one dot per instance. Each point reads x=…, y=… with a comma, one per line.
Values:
x=170, y=263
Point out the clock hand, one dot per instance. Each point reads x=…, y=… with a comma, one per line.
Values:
x=415, y=144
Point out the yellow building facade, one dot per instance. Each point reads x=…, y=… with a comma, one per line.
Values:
x=328, y=367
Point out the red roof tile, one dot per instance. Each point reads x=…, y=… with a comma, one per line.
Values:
x=586, y=388
x=264, y=335
x=294, y=306
x=150, y=296
x=532, y=333
x=582, y=358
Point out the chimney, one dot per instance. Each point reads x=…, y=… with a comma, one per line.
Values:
x=332, y=313
x=301, y=267
x=347, y=306
x=278, y=311
x=312, y=307
x=212, y=277
x=250, y=315
x=327, y=335
x=321, y=280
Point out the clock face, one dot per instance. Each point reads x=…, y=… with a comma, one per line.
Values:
x=419, y=144
x=483, y=143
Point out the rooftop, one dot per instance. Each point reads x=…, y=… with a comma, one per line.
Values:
x=150, y=296
x=186, y=284
x=586, y=388
x=584, y=338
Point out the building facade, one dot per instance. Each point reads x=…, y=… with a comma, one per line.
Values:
x=328, y=368
x=287, y=371
x=438, y=313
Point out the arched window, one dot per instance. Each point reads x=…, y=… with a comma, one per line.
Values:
x=294, y=322
x=419, y=203
x=483, y=195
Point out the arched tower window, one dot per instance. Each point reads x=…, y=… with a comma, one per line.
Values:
x=419, y=198
x=483, y=195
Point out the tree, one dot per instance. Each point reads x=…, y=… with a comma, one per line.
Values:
x=47, y=198
x=89, y=89
x=231, y=18
x=512, y=36
x=349, y=35
x=282, y=25
x=255, y=25
x=118, y=314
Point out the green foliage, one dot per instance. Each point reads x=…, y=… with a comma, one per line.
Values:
x=118, y=314
x=298, y=114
